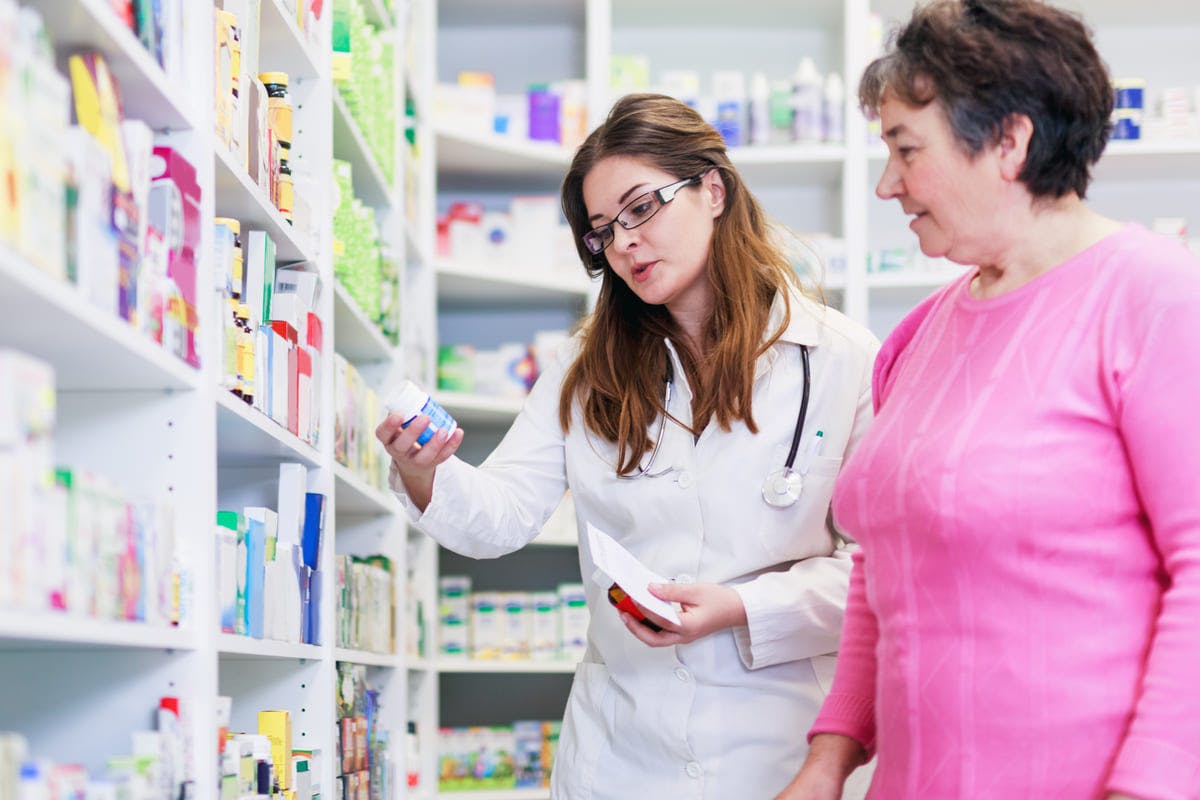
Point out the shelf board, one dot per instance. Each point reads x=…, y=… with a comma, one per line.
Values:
x=1096, y=13
x=353, y=495
x=146, y=93
x=41, y=630
x=906, y=279
x=1127, y=160
x=419, y=665
x=240, y=198
x=282, y=47
x=368, y=658
x=487, y=154
x=496, y=794
x=354, y=336
x=466, y=665
x=485, y=13
x=766, y=14
x=540, y=542
x=473, y=409
x=247, y=437
x=370, y=184
x=1164, y=159
x=477, y=284
x=232, y=645
x=90, y=349
x=789, y=164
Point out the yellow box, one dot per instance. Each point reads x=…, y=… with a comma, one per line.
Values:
x=277, y=726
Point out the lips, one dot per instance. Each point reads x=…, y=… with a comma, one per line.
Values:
x=642, y=271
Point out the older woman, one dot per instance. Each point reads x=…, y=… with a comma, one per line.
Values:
x=1024, y=615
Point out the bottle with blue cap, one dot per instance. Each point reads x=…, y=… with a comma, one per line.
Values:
x=411, y=400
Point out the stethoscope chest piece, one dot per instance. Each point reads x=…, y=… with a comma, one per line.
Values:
x=782, y=487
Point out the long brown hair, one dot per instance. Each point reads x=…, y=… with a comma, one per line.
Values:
x=618, y=375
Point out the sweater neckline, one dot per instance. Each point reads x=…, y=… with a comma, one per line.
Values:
x=1086, y=258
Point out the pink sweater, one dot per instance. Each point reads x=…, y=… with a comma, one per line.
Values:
x=1024, y=615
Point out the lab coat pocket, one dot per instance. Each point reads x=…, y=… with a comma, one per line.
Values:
x=585, y=732
x=798, y=531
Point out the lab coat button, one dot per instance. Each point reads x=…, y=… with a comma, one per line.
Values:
x=682, y=674
x=685, y=480
x=693, y=770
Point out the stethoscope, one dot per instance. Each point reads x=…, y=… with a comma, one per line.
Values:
x=783, y=485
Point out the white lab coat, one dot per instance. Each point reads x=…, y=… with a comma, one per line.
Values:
x=725, y=717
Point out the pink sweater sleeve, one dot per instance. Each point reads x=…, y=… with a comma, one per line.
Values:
x=850, y=707
x=1156, y=398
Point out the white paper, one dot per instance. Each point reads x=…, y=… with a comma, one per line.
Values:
x=627, y=572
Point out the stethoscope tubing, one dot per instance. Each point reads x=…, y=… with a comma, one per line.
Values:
x=799, y=432
x=669, y=378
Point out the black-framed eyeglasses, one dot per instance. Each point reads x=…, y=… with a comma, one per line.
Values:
x=637, y=211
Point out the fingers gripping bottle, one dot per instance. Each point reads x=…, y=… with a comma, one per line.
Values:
x=412, y=400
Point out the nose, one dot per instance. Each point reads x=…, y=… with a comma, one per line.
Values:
x=624, y=239
x=890, y=186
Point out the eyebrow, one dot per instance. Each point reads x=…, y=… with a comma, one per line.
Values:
x=620, y=200
x=895, y=131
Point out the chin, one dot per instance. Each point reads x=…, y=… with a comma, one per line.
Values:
x=933, y=249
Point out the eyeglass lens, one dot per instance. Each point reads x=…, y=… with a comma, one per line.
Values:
x=636, y=212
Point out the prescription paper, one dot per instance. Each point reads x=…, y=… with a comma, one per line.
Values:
x=623, y=569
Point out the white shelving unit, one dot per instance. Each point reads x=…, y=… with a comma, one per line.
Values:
x=155, y=426
x=46, y=316
x=498, y=794
x=47, y=631
x=492, y=284
x=473, y=409
x=480, y=667
x=146, y=92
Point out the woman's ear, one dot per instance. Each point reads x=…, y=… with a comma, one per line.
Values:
x=714, y=187
x=1014, y=145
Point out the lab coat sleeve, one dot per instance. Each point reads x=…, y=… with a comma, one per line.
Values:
x=797, y=613
x=1156, y=414
x=500, y=506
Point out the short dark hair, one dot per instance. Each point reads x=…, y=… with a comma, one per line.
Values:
x=984, y=60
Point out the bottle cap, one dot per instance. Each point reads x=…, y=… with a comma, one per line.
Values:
x=408, y=400
x=278, y=78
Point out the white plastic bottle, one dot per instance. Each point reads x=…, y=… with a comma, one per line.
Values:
x=806, y=102
x=760, y=110
x=412, y=757
x=834, y=108
x=412, y=400
x=729, y=88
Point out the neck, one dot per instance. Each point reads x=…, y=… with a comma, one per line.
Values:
x=1040, y=238
x=692, y=319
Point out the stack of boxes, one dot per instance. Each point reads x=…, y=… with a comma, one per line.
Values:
x=366, y=598
x=512, y=626
x=365, y=764
x=363, y=64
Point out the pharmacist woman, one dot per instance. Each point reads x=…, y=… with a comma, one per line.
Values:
x=699, y=417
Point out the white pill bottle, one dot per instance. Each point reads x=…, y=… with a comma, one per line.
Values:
x=411, y=400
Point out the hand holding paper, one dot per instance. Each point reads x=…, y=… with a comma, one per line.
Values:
x=622, y=568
